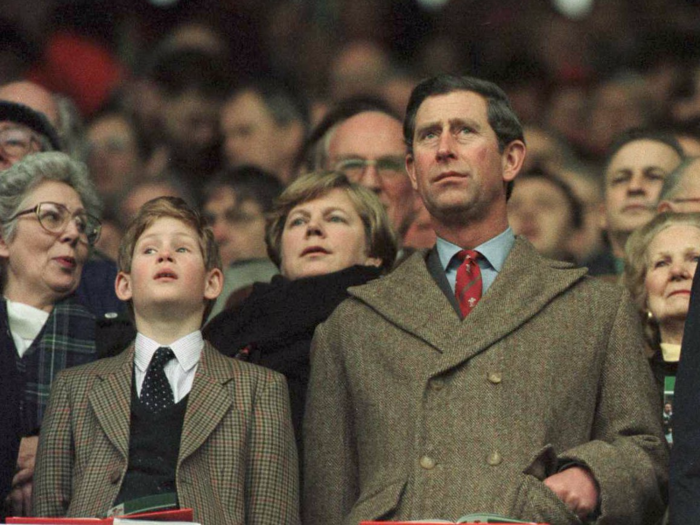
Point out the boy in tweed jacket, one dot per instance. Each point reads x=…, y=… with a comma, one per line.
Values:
x=169, y=414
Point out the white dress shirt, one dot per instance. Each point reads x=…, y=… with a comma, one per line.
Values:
x=179, y=371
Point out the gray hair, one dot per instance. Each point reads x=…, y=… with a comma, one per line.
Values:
x=18, y=181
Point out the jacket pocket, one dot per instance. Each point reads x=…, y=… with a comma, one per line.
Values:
x=376, y=504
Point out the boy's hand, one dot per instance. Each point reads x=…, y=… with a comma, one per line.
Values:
x=20, y=498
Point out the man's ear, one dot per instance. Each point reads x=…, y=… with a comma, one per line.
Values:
x=122, y=286
x=512, y=159
x=214, y=284
x=411, y=170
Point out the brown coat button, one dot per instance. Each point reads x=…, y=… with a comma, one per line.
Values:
x=495, y=377
x=494, y=459
x=427, y=463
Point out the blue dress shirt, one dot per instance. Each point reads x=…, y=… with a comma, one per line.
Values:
x=493, y=255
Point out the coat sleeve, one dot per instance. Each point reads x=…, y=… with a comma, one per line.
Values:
x=330, y=464
x=272, y=472
x=627, y=454
x=54, y=466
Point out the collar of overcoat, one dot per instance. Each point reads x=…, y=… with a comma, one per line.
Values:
x=208, y=401
x=411, y=299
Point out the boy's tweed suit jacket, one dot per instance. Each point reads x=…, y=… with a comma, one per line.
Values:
x=237, y=461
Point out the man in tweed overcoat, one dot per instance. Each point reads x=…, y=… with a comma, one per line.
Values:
x=538, y=405
x=225, y=445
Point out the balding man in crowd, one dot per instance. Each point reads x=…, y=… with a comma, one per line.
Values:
x=363, y=139
x=479, y=376
x=637, y=164
x=681, y=189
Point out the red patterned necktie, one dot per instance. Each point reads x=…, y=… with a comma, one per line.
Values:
x=468, y=287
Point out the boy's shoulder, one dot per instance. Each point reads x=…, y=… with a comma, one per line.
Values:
x=98, y=368
x=225, y=368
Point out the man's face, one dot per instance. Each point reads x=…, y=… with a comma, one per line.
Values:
x=16, y=142
x=191, y=123
x=377, y=138
x=251, y=134
x=238, y=226
x=540, y=211
x=456, y=165
x=633, y=182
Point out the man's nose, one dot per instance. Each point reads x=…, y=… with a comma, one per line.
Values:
x=445, y=147
x=371, y=178
x=636, y=184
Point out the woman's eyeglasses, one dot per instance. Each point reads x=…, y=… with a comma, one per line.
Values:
x=54, y=218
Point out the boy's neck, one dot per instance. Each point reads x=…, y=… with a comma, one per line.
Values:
x=168, y=330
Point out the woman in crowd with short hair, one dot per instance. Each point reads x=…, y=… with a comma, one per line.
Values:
x=660, y=262
x=48, y=224
x=325, y=234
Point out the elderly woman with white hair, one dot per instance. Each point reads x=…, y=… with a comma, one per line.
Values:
x=660, y=262
x=48, y=224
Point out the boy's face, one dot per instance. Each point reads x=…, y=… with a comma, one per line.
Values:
x=167, y=270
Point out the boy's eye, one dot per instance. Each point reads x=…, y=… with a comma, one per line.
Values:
x=149, y=251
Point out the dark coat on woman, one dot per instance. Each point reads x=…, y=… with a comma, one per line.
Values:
x=274, y=326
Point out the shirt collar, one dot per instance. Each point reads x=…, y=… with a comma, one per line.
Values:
x=187, y=350
x=494, y=251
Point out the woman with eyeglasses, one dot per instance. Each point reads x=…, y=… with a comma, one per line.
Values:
x=48, y=225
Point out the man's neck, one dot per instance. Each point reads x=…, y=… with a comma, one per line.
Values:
x=472, y=234
x=617, y=243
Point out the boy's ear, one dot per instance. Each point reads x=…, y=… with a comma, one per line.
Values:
x=214, y=284
x=122, y=286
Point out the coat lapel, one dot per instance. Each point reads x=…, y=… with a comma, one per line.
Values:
x=110, y=399
x=208, y=403
x=526, y=284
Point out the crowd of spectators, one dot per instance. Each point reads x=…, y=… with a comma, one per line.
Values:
x=225, y=104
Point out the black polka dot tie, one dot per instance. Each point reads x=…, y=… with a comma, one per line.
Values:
x=156, y=393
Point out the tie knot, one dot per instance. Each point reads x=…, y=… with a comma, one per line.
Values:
x=464, y=255
x=161, y=357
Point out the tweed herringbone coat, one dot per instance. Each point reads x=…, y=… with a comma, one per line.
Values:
x=237, y=461
x=413, y=413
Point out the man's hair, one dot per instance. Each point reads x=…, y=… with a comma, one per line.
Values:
x=313, y=155
x=575, y=206
x=19, y=180
x=500, y=114
x=172, y=208
x=673, y=179
x=34, y=120
x=285, y=103
x=379, y=236
x=637, y=262
x=249, y=183
x=635, y=134
x=181, y=70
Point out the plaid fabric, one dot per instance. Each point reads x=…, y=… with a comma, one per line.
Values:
x=67, y=339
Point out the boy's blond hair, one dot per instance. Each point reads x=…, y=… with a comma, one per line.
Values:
x=171, y=208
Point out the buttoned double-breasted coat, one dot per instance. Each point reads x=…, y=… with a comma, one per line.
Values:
x=237, y=462
x=414, y=413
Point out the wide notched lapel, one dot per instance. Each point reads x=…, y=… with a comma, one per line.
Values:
x=110, y=399
x=525, y=285
x=208, y=401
